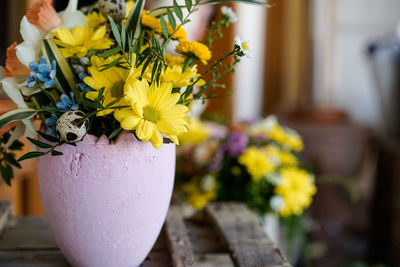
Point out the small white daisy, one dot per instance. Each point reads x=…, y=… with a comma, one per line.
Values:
x=208, y=183
x=227, y=11
x=277, y=203
x=244, y=46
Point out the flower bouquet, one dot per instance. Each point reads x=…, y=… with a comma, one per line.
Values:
x=112, y=103
x=256, y=164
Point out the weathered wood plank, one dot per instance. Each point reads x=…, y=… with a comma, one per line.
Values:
x=33, y=258
x=212, y=260
x=241, y=230
x=5, y=214
x=203, y=239
x=177, y=239
x=27, y=233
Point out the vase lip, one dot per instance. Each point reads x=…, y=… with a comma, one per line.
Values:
x=124, y=136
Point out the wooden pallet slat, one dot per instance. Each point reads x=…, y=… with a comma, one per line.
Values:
x=224, y=235
x=247, y=242
x=177, y=239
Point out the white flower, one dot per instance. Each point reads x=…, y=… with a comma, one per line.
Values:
x=277, y=203
x=263, y=127
x=227, y=11
x=208, y=183
x=274, y=179
x=29, y=49
x=244, y=46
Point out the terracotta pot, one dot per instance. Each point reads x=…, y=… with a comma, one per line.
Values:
x=106, y=203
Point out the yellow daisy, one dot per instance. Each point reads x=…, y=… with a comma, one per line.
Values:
x=198, y=133
x=256, y=162
x=194, y=49
x=154, y=110
x=297, y=188
x=112, y=80
x=180, y=79
x=81, y=40
x=95, y=19
x=155, y=24
x=174, y=60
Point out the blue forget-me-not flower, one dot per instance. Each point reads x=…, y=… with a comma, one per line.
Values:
x=67, y=103
x=42, y=72
x=51, y=123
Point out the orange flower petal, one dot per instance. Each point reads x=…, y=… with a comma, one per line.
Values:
x=13, y=65
x=44, y=16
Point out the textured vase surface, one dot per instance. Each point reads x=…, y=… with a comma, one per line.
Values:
x=106, y=203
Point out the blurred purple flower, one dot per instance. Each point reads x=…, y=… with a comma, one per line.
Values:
x=216, y=163
x=217, y=131
x=237, y=143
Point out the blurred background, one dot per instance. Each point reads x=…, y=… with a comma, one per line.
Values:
x=329, y=69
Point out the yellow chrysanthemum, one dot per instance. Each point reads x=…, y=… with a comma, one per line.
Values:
x=180, y=79
x=113, y=80
x=194, y=49
x=286, y=137
x=81, y=40
x=198, y=133
x=296, y=188
x=279, y=156
x=155, y=24
x=197, y=197
x=256, y=162
x=174, y=60
x=95, y=19
x=154, y=110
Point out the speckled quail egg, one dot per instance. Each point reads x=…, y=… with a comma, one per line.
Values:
x=69, y=126
x=113, y=8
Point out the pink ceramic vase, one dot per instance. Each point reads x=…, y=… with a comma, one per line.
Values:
x=106, y=203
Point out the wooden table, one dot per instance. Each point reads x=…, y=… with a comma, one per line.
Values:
x=222, y=235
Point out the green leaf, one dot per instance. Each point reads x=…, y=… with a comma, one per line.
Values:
x=17, y=145
x=133, y=26
x=56, y=153
x=48, y=137
x=146, y=64
x=188, y=4
x=90, y=53
x=16, y=115
x=6, y=173
x=115, y=101
x=31, y=155
x=164, y=27
x=110, y=52
x=39, y=143
x=178, y=11
x=115, y=133
x=111, y=64
x=171, y=19
x=123, y=36
x=115, y=30
x=65, y=78
x=153, y=71
x=51, y=109
x=10, y=158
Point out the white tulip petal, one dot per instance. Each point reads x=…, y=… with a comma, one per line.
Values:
x=72, y=6
x=11, y=88
x=26, y=53
x=77, y=18
x=29, y=32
